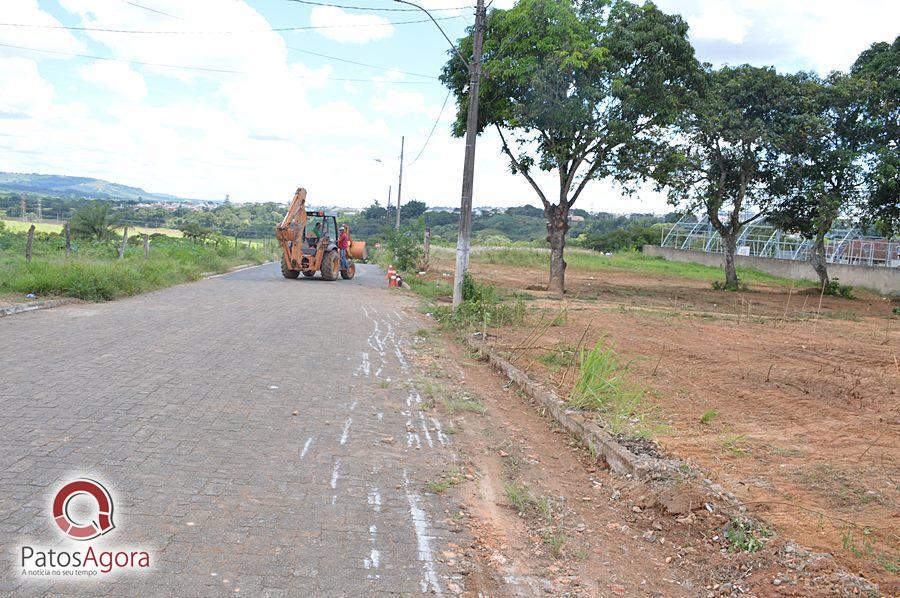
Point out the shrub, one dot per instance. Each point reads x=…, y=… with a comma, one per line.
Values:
x=405, y=248
x=481, y=306
x=836, y=289
x=601, y=386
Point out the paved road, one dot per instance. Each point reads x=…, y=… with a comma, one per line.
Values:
x=181, y=402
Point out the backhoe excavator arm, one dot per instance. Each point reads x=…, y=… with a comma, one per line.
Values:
x=292, y=228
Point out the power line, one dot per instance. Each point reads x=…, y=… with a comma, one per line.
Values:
x=193, y=68
x=372, y=8
x=238, y=32
x=159, y=12
x=373, y=66
x=433, y=127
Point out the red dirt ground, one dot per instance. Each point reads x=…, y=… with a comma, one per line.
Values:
x=807, y=425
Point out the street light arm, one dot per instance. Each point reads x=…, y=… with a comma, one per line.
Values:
x=436, y=24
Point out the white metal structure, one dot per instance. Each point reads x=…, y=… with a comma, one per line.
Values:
x=843, y=245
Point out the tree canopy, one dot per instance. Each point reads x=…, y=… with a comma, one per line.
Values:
x=724, y=151
x=581, y=89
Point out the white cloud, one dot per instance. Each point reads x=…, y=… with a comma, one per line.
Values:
x=402, y=103
x=350, y=28
x=44, y=37
x=260, y=48
x=25, y=92
x=117, y=77
x=821, y=35
x=717, y=20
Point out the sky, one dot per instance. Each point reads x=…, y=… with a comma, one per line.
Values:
x=253, y=98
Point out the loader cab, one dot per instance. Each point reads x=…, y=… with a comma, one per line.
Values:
x=320, y=227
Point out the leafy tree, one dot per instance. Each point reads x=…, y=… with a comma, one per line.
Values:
x=93, y=220
x=823, y=173
x=879, y=68
x=581, y=88
x=195, y=231
x=723, y=154
x=412, y=209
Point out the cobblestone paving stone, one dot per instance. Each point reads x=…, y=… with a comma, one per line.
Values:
x=180, y=401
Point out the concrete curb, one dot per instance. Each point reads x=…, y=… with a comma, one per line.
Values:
x=620, y=459
x=34, y=306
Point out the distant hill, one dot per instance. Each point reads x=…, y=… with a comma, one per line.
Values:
x=76, y=186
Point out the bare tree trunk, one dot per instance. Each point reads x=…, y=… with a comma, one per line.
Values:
x=29, y=243
x=817, y=257
x=124, y=241
x=731, y=277
x=426, y=249
x=146, y=245
x=557, y=227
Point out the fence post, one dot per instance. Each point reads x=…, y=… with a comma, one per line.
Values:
x=29, y=244
x=68, y=239
x=427, y=247
x=146, y=245
x=124, y=240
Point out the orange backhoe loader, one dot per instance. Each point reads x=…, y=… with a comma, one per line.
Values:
x=309, y=242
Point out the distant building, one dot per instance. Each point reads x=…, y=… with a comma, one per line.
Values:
x=574, y=218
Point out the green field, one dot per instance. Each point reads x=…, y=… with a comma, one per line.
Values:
x=51, y=227
x=583, y=260
x=93, y=272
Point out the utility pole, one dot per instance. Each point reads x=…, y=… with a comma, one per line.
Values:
x=400, y=182
x=465, y=206
x=389, y=206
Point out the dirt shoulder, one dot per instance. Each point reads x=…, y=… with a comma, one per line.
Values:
x=799, y=407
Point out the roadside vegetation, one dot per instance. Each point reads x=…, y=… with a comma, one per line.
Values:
x=624, y=261
x=603, y=386
x=94, y=272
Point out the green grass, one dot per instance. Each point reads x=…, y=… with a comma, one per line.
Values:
x=736, y=445
x=94, y=273
x=446, y=481
x=463, y=404
x=628, y=261
x=17, y=226
x=554, y=540
x=745, y=536
x=518, y=496
x=561, y=356
x=602, y=386
x=708, y=417
x=431, y=290
x=51, y=227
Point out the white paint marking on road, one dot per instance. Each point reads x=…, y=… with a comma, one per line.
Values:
x=412, y=437
x=346, y=431
x=374, y=499
x=306, y=447
x=423, y=540
x=425, y=429
x=335, y=475
x=364, y=365
x=440, y=432
x=371, y=562
x=380, y=416
x=353, y=404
